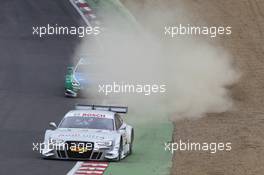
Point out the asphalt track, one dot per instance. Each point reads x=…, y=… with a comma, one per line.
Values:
x=31, y=74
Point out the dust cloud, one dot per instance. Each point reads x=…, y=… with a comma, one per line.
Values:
x=197, y=74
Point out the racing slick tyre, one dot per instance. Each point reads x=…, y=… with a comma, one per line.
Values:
x=131, y=143
x=120, y=151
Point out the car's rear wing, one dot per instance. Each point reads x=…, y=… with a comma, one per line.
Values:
x=117, y=109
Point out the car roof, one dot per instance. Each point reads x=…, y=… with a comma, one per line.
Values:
x=91, y=113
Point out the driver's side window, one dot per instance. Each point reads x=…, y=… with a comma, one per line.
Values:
x=118, y=121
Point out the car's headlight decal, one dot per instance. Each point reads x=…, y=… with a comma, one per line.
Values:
x=105, y=143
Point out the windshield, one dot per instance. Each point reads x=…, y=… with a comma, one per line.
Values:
x=87, y=123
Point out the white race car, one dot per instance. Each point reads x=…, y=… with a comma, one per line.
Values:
x=90, y=132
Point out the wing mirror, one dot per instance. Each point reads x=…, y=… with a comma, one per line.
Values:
x=53, y=124
x=122, y=128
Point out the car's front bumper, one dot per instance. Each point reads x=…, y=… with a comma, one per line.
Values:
x=97, y=154
x=70, y=93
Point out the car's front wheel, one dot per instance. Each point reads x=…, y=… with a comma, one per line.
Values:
x=120, y=150
x=131, y=143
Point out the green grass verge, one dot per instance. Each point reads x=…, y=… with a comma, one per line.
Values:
x=149, y=157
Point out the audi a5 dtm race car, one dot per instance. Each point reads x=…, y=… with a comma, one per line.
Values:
x=90, y=132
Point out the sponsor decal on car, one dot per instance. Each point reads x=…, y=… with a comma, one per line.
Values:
x=83, y=135
x=93, y=115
